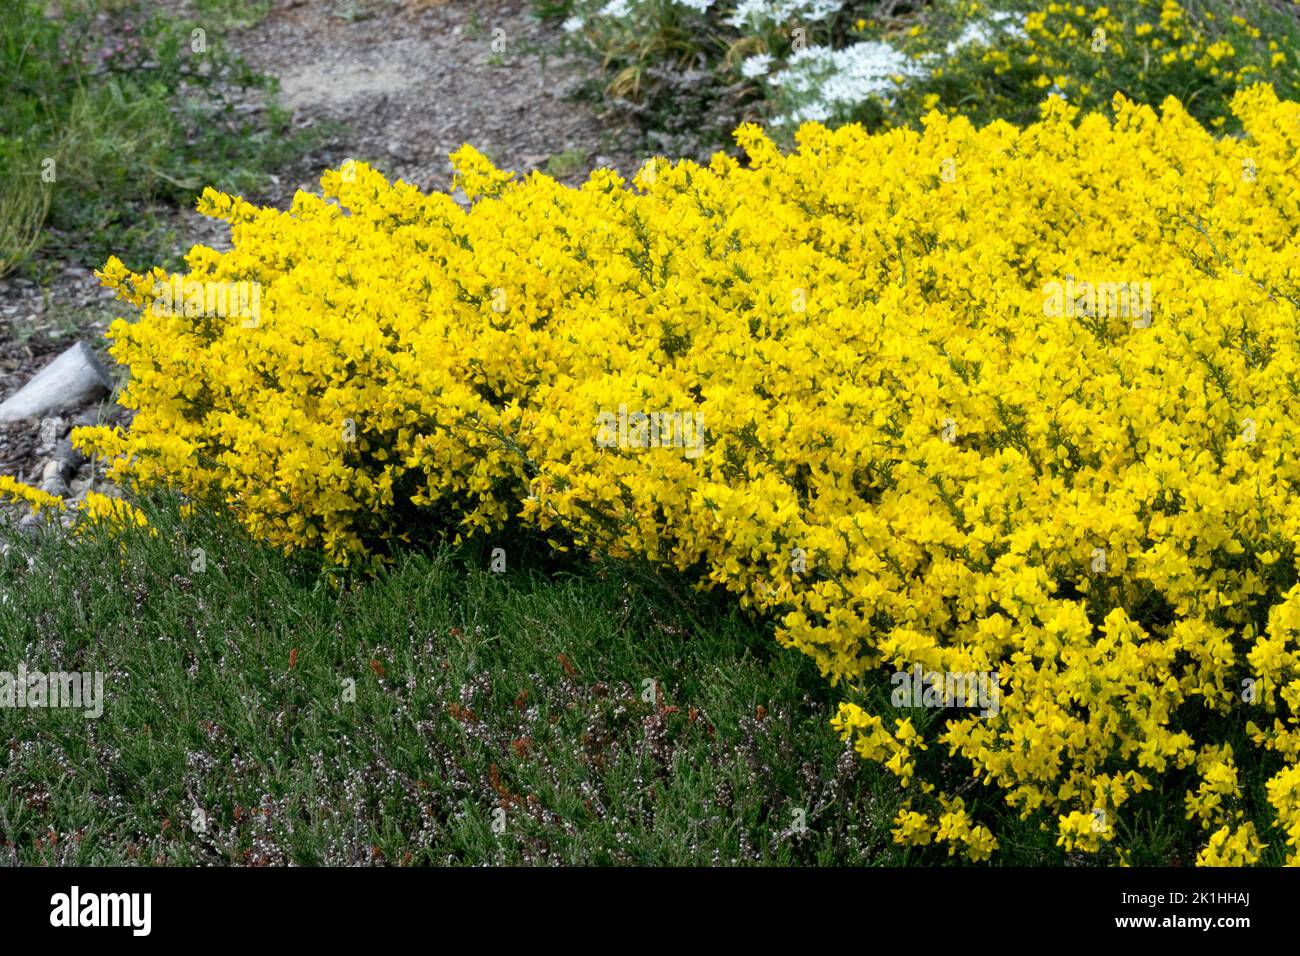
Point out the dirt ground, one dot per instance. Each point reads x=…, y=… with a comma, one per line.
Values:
x=417, y=82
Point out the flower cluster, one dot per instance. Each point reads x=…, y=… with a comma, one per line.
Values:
x=913, y=453
x=94, y=511
x=112, y=513
x=34, y=498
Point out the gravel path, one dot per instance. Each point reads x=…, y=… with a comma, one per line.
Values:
x=416, y=82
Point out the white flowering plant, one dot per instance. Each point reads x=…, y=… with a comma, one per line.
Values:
x=879, y=72
x=890, y=62
x=825, y=60
x=724, y=51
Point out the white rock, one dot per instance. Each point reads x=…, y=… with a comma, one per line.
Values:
x=72, y=380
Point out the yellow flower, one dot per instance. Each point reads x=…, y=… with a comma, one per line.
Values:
x=11, y=488
x=113, y=513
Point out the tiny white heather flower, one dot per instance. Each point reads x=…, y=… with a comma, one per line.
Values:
x=984, y=32
x=817, y=112
x=757, y=65
x=779, y=11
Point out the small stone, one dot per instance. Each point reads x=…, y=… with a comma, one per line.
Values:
x=30, y=525
x=87, y=418
x=70, y=381
x=72, y=457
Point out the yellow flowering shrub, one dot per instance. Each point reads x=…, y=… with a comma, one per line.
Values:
x=94, y=511
x=935, y=432
x=114, y=514
x=1231, y=848
x=14, y=490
